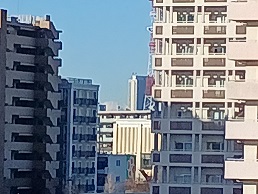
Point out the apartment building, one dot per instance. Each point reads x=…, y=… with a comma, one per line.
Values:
x=79, y=123
x=29, y=98
x=127, y=132
x=192, y=39
x=243, y=127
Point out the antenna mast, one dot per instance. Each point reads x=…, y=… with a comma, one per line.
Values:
x=148, y=100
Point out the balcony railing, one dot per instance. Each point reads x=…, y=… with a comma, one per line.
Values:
x=183, y=29
x=218, y=94
x=85, y=137
x=184, y=62
x=84, y=154
x=182, y=94
x=215, y=30
x=85, y=101
x=210, y=62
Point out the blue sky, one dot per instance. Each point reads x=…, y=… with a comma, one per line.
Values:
x=105, y=40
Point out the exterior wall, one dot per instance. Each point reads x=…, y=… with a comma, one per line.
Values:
x=3, y=17
x=80, y=123
x=191, y=70
x=115, y=132
x=242, y=169
x=31, y=115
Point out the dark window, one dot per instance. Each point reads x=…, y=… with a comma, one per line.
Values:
x=180, y=158
x=181, y=125
x=118, y=163
x=211, y=191
x=156, y=125
x=74, y=97
x=213, y=159
x=156, y=158
x=118, y=179
x=155, y=190
x=179, y=190
x=237, y=191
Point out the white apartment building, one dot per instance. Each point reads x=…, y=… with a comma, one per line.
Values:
x=29, y=113
x=127, y=132
x=79, y=123
x=191, y=67
x=243, y=127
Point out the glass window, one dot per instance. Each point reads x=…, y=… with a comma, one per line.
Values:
x=118, y=163
x=179, y=146
x=118, y=179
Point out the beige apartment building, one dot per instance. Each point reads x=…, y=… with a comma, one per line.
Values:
x=243, y=128
x=191, y=66
x=29, y=114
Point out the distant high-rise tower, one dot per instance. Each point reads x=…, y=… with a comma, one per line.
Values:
x=136, y=92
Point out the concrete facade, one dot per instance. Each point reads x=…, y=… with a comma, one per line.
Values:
x=79, y=123
x=29, y=98
x=243, y=127
x=191, y=68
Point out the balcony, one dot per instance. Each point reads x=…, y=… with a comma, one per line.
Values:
x=182, y=94
x=243, y=50
x=242, y=90
x=242, y=10
x=214, y=29
x=215, y=1
x=239, y=169
x=182, y=62
x=217, y=94
x=214, y=62
x=183, y=1
x=183, y=30
x=241, y=130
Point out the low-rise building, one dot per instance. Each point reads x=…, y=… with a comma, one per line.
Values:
x=127, y=132
x=113, y=171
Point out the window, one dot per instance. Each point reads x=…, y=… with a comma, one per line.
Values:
x=157, y=93
x=158, y=62
x=156, y=158
x=183, y=178
x=118, y=163
x=183, y=146
x=211, y=191
x=180, y=158
x=118, y=177
x=95, y=95
x=179, y=113
x=156, y=125
x=179, y=190
x=219, y=159
x=215, y=146
x=213, y=178
x=155, y=190
x=159, y=30
x=74, y=96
